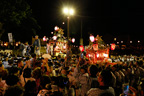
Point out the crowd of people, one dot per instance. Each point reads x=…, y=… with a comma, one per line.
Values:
x=33, y=75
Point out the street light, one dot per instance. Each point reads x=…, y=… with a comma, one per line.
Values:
x=68, y=12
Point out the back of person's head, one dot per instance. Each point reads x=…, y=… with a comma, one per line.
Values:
x=27, y=73
x=37, y=73
x=14, y=91
x=45, y=81
x=33, y=55
x=106, y=77
x=30, y=87
x=4, y=74
x=83, y=69
x=62, y=81
x=13, y=70
x=12, y=80
x=93, y=70
x=10, y=62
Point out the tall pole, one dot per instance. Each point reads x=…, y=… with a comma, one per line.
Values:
x=68, y=27
x=81, y=39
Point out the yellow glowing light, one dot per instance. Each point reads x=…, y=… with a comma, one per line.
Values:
x=65, y=10
x=71, y=12
x=68, y=11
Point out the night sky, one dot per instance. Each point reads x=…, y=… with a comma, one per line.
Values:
x=108, y=18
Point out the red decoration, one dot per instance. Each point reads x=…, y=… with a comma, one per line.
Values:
x=95, y=47
x=81, y=48
x=113, y=46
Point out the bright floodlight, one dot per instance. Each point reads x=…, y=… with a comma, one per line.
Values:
x=71, y=11
x=65, y=10
x=68, y=11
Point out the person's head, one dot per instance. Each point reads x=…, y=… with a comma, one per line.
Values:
x=45, y=82
x=105, y=78
x=93, y=70
x=83, y=69
x=62, y=82
x=30, y=86
x=33, y=55
x=64, y=71
x=27, y=73
x=36, y=37
x=20, y=63
x=4, y=74
x=12, y=80
x=10, y=62
x=26, y=43
x=14, y=91
x=14, y=71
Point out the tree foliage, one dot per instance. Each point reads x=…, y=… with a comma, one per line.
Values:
x=14, y=11
x=16, y=16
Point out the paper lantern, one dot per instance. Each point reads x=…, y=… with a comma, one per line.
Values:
x=56, y=28
x=44, y=38
x=95, y=47
x=73, y=40
x=92, y=39
x=54, y=37
x=81, y=48
x=113, y=46
x=64, y=47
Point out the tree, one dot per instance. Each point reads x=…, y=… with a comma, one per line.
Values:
x=15, y=16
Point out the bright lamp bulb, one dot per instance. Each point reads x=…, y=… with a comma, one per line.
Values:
x=65, y=10
x=71, y=11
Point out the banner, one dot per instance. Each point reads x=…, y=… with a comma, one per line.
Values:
x=10, y=37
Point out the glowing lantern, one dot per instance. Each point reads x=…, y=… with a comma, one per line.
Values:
x=73, y=40
x=44, y=38
x=57, y=47
x=16, y=44
x=97, y=55
x=105, y=55
x=5, y=44
x=56, y=28
x=54, y=37
x=113, y=46
x=92, y=39
x=95, y=47
x=64, y=47
x=81, y=48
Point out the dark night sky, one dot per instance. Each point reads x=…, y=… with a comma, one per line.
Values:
x=108, y=18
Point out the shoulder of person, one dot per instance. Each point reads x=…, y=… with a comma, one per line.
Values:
x=93, y=91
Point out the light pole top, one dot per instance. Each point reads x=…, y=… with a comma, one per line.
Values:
x=68, y=11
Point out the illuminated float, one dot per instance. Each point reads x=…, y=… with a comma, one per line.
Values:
x=58, y=43
x=97, y=51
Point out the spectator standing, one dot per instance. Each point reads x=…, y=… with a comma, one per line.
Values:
x=104, y=85
x=37, y=45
